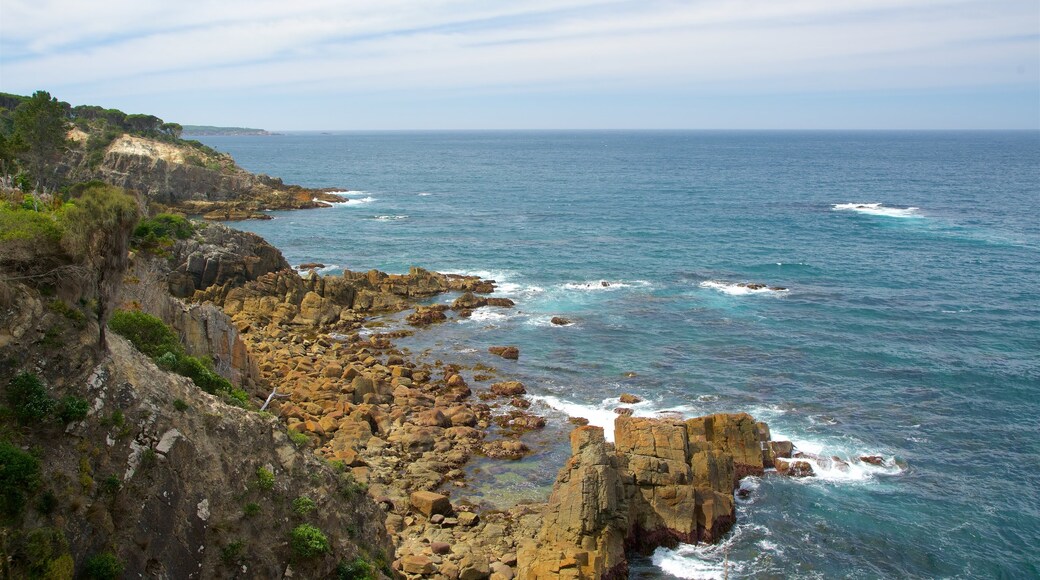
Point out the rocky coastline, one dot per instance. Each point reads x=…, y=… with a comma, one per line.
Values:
x=407, y=429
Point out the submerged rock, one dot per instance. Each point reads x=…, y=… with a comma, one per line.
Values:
x=509, y=352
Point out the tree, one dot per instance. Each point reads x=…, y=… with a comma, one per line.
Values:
x=41, y=123
x=172, y=129
x=97, y=233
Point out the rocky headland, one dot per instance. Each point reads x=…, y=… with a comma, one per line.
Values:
x=280, y=402
x=407, y=429
x=185, y=177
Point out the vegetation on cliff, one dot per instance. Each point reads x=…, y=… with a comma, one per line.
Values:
x=47, y=145
x=111, y=462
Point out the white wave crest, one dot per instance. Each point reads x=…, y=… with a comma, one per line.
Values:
x=323, y=270
x=354, y=201
x=878, y=209
x=705, y=561
x=425, y=193
x=601, y=415
x=605, y=285
x=840, y=462
x=741, y=288
x=489, y=316
x=389, y=218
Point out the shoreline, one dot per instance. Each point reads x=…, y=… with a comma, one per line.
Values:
x=408, y=426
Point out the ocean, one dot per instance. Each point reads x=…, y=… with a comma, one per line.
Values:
x=904, y=319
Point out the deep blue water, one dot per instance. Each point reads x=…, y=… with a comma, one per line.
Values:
x=909, y=333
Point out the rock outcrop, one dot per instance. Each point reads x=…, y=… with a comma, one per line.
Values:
x=662, y=482
x=192, y=179
x=157, y=473
x=220, y=256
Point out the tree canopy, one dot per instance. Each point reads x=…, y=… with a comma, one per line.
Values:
x=41, y=126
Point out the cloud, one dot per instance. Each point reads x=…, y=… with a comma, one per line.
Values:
x=362, y=47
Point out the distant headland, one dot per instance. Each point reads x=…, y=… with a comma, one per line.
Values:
x=206, y=130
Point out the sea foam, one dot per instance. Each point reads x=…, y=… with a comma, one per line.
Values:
x=878, y=209
x=740, y=288
x=353, y=201
x=605, y=285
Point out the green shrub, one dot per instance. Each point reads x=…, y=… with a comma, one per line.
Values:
x=149, y=458
x=28, y=398
x=19, y=475
x=79, y=320
x=264, y=479
x=21, y=224
x=167, y=362
x=251, y=509
x=308, y=541
x=147, y=333
x=356, y=569
x=231, y=554
x=165, y=225
x=47, y=503
x=200, y=371
x=303, y=505
x=152, y=337
x=299, y=438
x=110, y=485
x=72, y=408
x=44, y=551
x=350, y=487
x=238, y=397
x=180, y=405
x=104, y=566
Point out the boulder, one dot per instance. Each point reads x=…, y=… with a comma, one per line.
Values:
x=794, y=468
x=505, y=449
x=871, y=459
x=426, y=315
x=629, y=399
x=560, y=321
x=428, y=503
x=508, y=352
x=508, y=389
x=417, y=564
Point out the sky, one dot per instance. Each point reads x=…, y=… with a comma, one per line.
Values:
x=536, y=64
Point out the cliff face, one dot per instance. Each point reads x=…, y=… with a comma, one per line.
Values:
x=191, y=179
x=661, y=483
x=171, y=480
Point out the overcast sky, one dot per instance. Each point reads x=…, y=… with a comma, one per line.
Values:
x=485, y=64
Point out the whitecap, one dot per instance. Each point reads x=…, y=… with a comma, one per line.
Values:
x=546, y=322
x=389, y=218
x=839, y=463
x=323, y=270
x=741, y=288
x=602, y=414
x=605, y=285
x=354, y=201
x=424, y=194
x=489, y=316
x=704, y=561
x=878, y=210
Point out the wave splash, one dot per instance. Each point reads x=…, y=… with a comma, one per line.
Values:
x=742, y=288
x=878, y=210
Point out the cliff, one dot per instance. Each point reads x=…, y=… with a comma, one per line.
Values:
x=662, y=482
x=166, y=478
x=190, y=178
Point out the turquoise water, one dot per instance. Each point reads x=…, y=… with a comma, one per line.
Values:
x=909, y=329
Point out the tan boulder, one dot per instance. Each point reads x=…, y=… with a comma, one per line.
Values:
x=507, y=352
x=508, y=389
x=429, y=503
